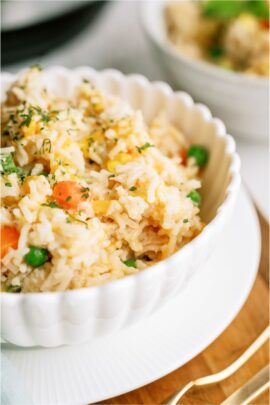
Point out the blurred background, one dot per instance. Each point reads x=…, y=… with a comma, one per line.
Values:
x=71, y=33
x=102, y=34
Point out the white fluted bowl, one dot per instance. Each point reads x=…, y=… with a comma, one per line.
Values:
x=52, y=319
x=240, y=100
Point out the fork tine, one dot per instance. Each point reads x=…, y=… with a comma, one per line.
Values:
x=225, y=373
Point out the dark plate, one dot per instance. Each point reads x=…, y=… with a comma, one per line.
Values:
x=38, y=39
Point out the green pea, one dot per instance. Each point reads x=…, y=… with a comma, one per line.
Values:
x=36, y=256
x=216, y=52
x=130, y=263
x=200, y=153
x=195, y=197
x=14, y=288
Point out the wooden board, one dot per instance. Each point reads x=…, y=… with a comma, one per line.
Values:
x=249, y=323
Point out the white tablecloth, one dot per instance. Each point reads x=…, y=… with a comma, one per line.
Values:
x=116, y=40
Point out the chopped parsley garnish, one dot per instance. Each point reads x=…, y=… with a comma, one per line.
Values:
x=8, y=184
x=227, y=9
x=144, y=147
x=68, y=220
x=79, y=220
x=27, y=115
x=133, y=188
x=51, y=204
x=46, y=116
x=130, y=263
x=216, y=51
x=85, y=196
x=36, y=66
x=46, y=146
x=8, y=166
x=84, y=189
x=86, y=81
x=68, y=198
x=17, y=137
x=27, y=118
x=43, y=174
x=14, y=288
x=185, y=220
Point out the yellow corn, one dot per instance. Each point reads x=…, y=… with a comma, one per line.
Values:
x=98, y=107
x=101, y=206
x=95, y=99
x=31, y=129
x=111, y=165
x=124, y=158
x=67, y=143
x=84, y=147
x=120, y=159
x=98, y=136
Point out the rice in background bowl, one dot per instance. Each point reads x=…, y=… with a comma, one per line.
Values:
x=232, y=35
x=240, y=100
x=51, y=319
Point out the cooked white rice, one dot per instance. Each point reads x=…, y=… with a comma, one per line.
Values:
x=136, y=206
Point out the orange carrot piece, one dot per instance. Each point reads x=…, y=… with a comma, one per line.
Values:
x=9, y=239
x=70, y=194
x=183, y=155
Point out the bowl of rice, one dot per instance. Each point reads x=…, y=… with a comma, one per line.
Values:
x=114, y=193
x=218, y=51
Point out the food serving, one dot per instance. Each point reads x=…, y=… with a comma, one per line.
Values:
x=90, y=193
x=230, y=34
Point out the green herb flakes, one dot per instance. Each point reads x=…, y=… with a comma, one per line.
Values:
x=36, y=66
x=51, y=204
x=144, y=147
x=14, y=288
x=130, y=263
x=46, y=146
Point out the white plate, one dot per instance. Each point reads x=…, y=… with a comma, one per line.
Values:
x=128, y=359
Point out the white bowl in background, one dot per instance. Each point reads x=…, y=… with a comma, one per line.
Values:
x=56, y=318
x=240, y=100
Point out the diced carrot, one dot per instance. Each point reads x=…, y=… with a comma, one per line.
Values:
x=183, y=154
x=70, y=194
x=264, y=24
x=9, y=239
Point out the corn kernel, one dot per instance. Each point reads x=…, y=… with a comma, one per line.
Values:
x=121, y=158
x=124, y=158
x=97, y=136
x=101, y=206
x=67, y=143
x=111, y=165
x=84, y=147
x=31, y=129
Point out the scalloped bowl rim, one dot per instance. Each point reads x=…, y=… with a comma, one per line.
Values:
x=232, y=188
x=200, y=66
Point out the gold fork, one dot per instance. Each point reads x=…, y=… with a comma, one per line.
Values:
x=223, y=374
